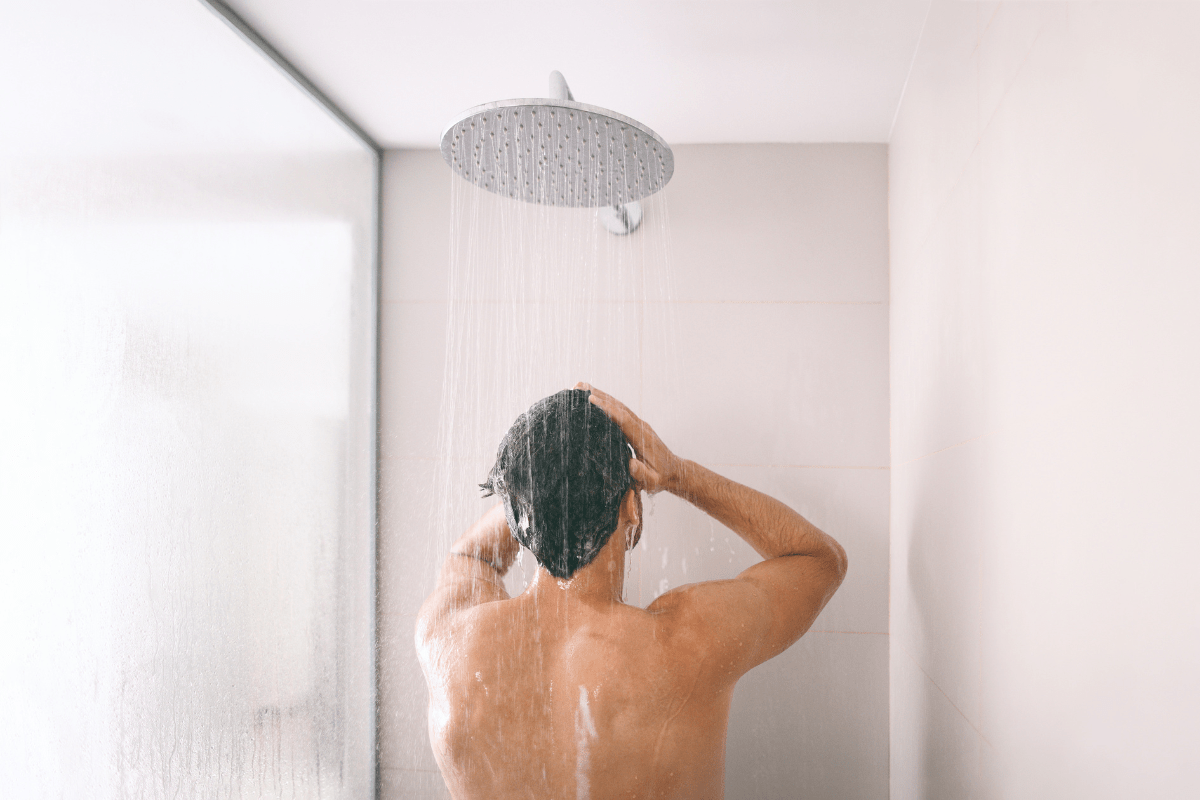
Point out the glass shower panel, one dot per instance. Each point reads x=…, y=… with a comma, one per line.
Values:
x=187, y=332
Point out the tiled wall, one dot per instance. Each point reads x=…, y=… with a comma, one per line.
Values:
x=1045, y=343
x=780, y=381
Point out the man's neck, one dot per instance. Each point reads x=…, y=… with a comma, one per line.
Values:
x=600, y=583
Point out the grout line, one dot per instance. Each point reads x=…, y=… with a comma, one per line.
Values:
x=908, y=75
x=950, y=447
x=772, y=302
x=980, y=34
x=722, y=464
x=413, y=616
x=793, y=466
x=948, y=700
x=983, y=127
x=619, y=301
x=991, y=19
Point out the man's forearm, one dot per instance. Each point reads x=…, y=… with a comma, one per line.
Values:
x=489, y=541
x=767, y=525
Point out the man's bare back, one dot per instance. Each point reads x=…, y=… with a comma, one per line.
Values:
x=567, y=692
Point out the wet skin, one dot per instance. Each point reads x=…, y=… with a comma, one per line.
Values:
x=566, y=692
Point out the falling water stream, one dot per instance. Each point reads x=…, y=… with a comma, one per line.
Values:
x=541, y=297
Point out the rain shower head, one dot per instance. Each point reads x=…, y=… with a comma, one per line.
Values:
x=557, y=151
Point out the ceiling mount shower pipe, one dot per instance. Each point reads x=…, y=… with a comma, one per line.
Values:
x=558, y=87
x=558, y=151
x=623, y=218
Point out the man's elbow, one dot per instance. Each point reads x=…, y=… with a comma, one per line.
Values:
x=423, y=630
x=428, y=620
x=838, y=563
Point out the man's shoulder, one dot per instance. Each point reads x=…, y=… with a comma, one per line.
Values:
x=688, y=605
x=681, y=617
x=447, y=625
x=703, y=617
x=453, y=615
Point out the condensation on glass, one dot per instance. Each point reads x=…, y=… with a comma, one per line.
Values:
x=186, y=469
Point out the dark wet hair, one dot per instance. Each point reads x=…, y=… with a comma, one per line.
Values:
x=562, y=471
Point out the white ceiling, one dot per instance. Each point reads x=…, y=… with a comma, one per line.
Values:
x=79, y=77
x=694, y=71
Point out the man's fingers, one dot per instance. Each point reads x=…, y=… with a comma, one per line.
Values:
x=619, y=413
x=631, y=425
x=626, y=420
x=613, y=406
x=642, y=475
x=596, y=394
x=599, y=393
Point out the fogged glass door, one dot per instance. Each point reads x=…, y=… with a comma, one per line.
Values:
x=187, y=414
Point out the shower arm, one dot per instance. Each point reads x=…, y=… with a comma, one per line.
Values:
x=621, y=218
x=558, y=87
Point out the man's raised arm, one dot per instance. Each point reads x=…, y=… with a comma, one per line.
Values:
x=768, y=606
x=474, y=569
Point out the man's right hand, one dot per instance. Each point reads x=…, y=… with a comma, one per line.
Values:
x=656, y=467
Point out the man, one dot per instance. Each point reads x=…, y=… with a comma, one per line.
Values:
x=567, y=692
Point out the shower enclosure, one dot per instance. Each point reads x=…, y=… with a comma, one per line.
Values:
x=187, y=469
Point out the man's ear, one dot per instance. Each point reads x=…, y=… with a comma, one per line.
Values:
x=632, y=511
x=633, y=508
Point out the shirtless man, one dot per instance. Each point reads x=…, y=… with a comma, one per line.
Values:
x=565, y=691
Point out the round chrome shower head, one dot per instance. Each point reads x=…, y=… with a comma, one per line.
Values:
x=557, y=151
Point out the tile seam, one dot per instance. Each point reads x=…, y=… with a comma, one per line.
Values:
x=953, y=705
x=948, y=447
x=421, y=302
x=724, y=464
x=721, y=464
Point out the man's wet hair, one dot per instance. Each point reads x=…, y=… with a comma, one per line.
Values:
x=562, y=471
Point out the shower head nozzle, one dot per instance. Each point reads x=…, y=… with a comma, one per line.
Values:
x=557, y=151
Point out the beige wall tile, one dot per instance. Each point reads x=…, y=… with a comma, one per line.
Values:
x=779, y=223
x=825, y=735
x=795, y=384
